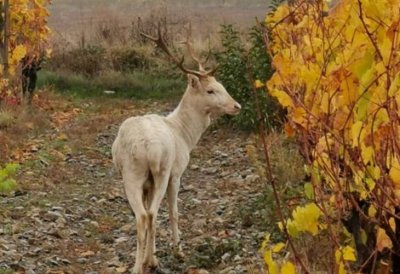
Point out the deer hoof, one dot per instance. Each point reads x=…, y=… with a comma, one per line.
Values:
x=178, y=251
x=137, y=269
x=152, y=262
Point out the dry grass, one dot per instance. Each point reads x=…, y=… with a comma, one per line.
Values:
x=7, y=117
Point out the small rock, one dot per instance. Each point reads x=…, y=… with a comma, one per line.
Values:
x=210, y=170
x=94, y=223
x=225, y=256
x=194, y=167
x=121, y=240
x=57, y=208
x=87, y=253
x=109, y=92
x=196, y=201
x=127, y=228
x=251, y=178
x=237, y=258
x=65, y=261
x=227, y=270
x=82, y=260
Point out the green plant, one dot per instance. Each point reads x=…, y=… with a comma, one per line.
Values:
x=7, y=183
x=238, y=69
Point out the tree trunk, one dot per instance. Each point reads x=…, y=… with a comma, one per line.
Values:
x=6, y=30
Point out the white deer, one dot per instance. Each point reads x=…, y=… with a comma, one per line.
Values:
x=152, y=152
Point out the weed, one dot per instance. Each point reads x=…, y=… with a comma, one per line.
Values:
x=288, y=171
x=208, y=254
x=7, y=182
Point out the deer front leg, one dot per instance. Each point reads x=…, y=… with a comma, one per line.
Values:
x=172, y=195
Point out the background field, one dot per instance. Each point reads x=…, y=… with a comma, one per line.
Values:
x=72, y=17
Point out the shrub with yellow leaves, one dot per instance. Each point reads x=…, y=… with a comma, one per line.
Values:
x=23, y=34
x=337, y=72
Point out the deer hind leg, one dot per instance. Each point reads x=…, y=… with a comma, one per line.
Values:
x=159, y=187
x=134, y=191
x=148, y=195
x=172, y=195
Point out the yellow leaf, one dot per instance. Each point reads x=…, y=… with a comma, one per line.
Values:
x=283, y=98
x=367, y=154
x=349, y=254
x=18, y=53
x=325, y=103
x=342, y=269
x=271, y=264
x=299, y=116
x=395, y=86
x=265, y=241
x=278, y=247
x=258, y=84
x=355, y=132
x=382, y=240
x=306, y=218
x=394, y=172
x=288, y=268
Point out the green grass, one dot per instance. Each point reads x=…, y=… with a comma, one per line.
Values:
x=137, y=85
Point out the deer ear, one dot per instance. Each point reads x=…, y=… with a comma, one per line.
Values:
x=193, y=81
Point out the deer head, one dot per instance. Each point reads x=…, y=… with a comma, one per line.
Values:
x=203, y=88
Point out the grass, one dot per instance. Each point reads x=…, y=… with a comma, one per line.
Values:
x=7, y=117
x=136, y=85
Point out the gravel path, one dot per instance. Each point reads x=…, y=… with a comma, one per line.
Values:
x=75, y=218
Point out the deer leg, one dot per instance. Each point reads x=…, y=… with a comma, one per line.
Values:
x=172, y=195
x=160, y=187
x=134, y=191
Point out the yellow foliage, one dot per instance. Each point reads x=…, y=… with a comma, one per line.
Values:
x=17, y=54
x=305, y=219
x=288, y=268
x=28, y=35
x=272, y=265
x=337, y=72
x=278, y=247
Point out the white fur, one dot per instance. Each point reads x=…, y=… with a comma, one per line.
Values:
x=152, y=152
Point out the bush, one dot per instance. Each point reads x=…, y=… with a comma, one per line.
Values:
x=7, y=183
x=129, y=59
x=237, y=65
x=89, y=61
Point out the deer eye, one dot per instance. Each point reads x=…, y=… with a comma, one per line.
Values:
x=210, y=91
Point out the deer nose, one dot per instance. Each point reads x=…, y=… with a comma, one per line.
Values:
x=237, y=106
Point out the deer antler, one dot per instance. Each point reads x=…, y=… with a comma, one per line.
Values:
x=194, y=57
x=160, y=42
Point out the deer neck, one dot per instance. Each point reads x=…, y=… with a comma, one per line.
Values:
x=188, y=121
